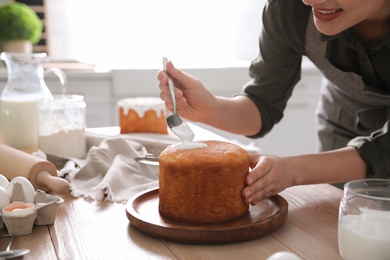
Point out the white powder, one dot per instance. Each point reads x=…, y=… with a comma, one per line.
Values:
x=70, y=143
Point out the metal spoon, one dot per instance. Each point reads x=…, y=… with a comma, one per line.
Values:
x=174, y=122
x=148, y=159
x=15, y=253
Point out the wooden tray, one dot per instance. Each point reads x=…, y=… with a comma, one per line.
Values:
x=262, y=219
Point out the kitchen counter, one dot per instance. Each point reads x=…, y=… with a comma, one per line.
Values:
x=101, y=230
x=89, y=230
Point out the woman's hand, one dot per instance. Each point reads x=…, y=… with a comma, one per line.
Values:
x=194, y=100
x=268, y=177
x=271, y=174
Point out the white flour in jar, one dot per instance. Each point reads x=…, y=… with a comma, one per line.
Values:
x=65, y=143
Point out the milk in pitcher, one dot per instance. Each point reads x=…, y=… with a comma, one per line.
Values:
x=18, y=122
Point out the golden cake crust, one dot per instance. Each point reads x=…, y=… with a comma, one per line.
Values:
x=203, y=186
x=142, y=115
x=149, y=123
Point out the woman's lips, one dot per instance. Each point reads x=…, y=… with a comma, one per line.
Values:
x=326, y=15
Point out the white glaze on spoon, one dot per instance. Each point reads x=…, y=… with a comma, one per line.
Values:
x=181, y=132
x=186, y=138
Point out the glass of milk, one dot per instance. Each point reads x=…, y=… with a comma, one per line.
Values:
x=364, y=220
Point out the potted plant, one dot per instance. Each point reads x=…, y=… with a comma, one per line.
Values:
x=20, y=28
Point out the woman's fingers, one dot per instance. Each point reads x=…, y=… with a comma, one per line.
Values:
x=264, y=180
x=165, y=95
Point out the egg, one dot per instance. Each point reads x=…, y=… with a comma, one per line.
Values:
x=28, y=188
x=283, y=255
x=3, y=181
x=18, y=209
x=5, y=198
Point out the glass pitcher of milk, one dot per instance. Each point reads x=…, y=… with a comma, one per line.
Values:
x=364, y=220
x=25, y=87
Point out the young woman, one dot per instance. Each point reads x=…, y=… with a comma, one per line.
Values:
x=349, y=41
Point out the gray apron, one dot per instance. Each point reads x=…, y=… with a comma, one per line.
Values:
x=348, y=108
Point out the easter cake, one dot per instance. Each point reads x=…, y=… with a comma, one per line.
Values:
x=203, y=185
x=142, y=115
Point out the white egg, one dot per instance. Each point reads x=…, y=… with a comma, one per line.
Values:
x=3, y=181
x=18, y=209
x=5, y=198
x=283, y=255
x=28, y=188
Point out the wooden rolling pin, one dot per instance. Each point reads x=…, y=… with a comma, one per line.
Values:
x=41, y=173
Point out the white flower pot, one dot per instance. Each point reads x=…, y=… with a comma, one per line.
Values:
x=19, y=46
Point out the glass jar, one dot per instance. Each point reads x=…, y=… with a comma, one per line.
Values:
x=364, y=220
x=62, y=123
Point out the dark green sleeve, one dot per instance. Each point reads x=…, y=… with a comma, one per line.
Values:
x=277, y=69
x=375, y=151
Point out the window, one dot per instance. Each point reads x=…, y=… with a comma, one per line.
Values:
x=134, y=33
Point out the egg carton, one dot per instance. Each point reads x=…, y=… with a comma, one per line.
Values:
x=44, y=213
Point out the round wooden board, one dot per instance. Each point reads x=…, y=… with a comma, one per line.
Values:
x=262, y=219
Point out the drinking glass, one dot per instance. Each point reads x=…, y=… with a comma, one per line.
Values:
x=364, y=220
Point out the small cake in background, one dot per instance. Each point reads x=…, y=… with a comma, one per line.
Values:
x=142, y=115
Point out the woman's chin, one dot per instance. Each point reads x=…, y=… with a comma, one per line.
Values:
x=327, y=29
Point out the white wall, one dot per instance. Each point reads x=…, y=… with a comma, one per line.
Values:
x=137, y=32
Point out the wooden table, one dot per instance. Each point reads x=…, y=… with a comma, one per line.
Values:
x=101, y=230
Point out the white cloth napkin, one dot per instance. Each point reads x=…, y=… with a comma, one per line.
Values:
x=110, y=172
